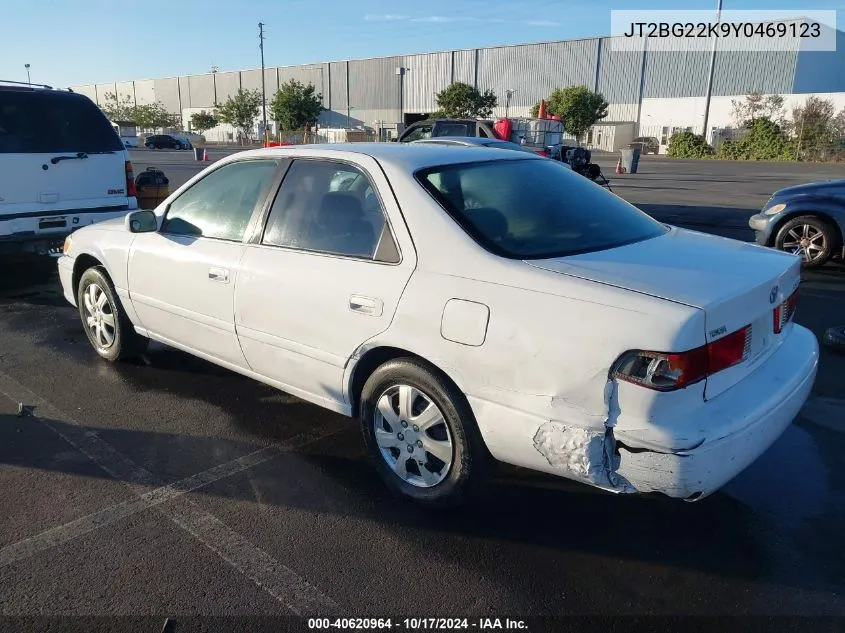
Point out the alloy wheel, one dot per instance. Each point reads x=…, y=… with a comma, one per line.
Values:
x=807, y=241
x=413, y=436
x=99, y=316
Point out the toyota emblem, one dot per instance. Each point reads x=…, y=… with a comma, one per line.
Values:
x=773, y=295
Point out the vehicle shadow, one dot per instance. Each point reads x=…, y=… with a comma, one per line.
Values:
x=718, y=536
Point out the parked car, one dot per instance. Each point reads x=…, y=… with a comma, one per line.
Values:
x=62, y=166
x=806, y=220
x=543, y=136
x=165, y=141
x=646, y=144
x=458, y=141
x=190, y=137
x=463, y=306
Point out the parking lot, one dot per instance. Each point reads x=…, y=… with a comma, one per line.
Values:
x=172, y=488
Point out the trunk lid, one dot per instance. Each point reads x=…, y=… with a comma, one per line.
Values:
x=736, y=284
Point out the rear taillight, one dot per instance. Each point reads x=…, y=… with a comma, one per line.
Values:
x=131, y=192
x=671, y=371
x=544, y=153
x=783, y=313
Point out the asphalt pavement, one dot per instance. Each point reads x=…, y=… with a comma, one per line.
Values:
x=168, y=487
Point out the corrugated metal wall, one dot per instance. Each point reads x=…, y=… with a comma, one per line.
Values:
x=201, y=89
x=145, y=93
x=428, y=75
x=535, y=70
x=89, y=91
x=821, y=71
x=167, y=92
x=251, y=79
x=619, y=74
x=125, y=89
x=374, y=89
x=464, y=66
x=227, y=85
x=672, y=74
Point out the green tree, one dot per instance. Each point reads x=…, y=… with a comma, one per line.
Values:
x=118, y=109
x=202, y=121
x=152, y=116
x=240, y=110
x=765, y=140
x=578, y=107
x=294, y=104
x=462, y=101
x=814, y=125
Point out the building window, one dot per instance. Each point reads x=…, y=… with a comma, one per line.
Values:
x=664, y=136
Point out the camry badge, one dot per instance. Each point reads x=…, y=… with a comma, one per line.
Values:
x=773, y=295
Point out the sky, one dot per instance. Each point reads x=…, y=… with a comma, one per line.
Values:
x=73, y=42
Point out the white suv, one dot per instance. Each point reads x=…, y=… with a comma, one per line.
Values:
x=62, y=166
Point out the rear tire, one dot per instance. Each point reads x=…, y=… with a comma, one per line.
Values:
x=421, y=434
x=810, y=237
x=107, y=327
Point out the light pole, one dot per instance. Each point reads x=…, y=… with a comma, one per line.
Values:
x=28, y=80
x=508, y=94
x=401, y=71
x=710, y=75
x=263, y=88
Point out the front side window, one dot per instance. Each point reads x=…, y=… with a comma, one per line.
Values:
x=221, y=205
x=535, y=209
x=329, y=207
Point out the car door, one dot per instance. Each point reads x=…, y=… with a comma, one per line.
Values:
x=323, y=276
x=182, y=277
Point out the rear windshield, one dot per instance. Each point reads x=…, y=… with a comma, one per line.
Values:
x=41, y=122
x=535, y=209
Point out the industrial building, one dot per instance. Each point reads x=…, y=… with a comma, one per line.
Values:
x=650, y=92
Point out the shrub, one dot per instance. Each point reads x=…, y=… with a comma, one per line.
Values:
x=688, y=145
x=765, y=141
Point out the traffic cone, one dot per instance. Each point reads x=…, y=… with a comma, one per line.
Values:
x=205, y=155
x=619, y=169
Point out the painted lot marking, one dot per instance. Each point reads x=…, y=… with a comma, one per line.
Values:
x=278, y=580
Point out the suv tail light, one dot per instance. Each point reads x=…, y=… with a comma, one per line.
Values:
x=131, y=192
x=783, y=313
x=671, y=371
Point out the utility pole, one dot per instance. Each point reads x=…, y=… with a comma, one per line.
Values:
x=263, y=87
x=712, y=69
x=28, y=80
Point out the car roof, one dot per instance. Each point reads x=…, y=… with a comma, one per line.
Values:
x=404, y=156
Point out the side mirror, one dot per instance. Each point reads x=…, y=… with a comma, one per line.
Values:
x=143, y=221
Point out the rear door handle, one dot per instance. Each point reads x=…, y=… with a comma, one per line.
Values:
x=218, y=274
x=366, y=305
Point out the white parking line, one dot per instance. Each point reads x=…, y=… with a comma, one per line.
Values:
x=281, y=582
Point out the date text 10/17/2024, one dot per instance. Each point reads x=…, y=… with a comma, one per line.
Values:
x=417, y=624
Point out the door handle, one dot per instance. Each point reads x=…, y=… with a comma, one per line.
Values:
x=218, y=274
x=365, y=305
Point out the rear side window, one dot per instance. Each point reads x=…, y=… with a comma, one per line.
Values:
x=43, y=122
x=535, y=209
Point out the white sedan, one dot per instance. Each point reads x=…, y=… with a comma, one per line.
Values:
x=464, y=307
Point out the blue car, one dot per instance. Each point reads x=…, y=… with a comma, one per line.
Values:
x=806, y=220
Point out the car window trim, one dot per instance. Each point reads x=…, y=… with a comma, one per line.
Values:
x=244, y=239
x=261, y=223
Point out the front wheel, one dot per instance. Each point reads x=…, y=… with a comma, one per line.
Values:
x=109, y=330
x=421, y=434
x=809, y=237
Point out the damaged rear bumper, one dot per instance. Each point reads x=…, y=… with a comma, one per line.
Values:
x=756, y=411
x=765, y=403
